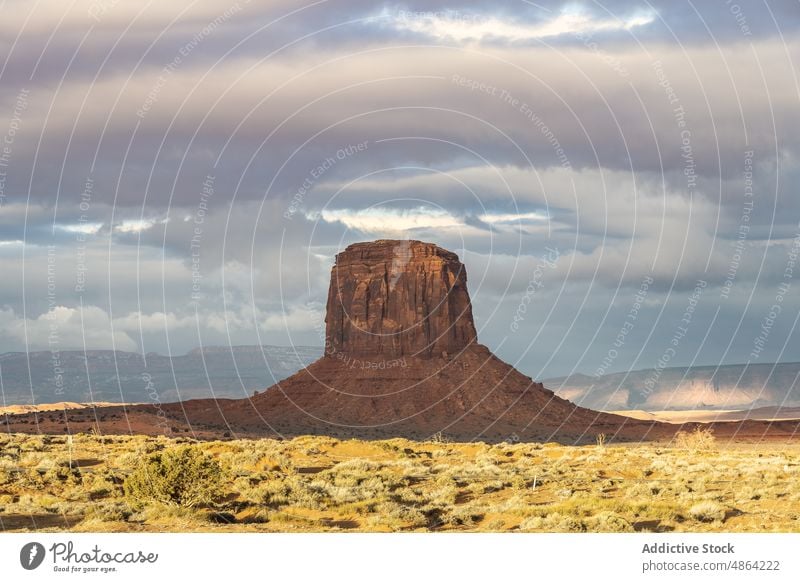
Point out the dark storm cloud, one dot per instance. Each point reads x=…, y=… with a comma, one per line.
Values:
x=573, y=111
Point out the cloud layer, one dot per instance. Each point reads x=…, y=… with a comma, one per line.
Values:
x=184, y=174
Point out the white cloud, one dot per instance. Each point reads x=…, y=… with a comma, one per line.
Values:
x=64, y=328
x=293, y=318
x=134, y=226
x=82, y=227
x=153, y=322
x=455, y=26
x=400, y=222
x=514, y=217
x=390, y=220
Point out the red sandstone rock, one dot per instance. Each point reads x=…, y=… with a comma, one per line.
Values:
x=402, y=359
x=394, y=298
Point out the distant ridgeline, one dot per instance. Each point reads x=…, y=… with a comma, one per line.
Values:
x=734, y=386
x=108, y=376
x=236, y=372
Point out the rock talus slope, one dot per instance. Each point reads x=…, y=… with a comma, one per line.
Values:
x=402, y=359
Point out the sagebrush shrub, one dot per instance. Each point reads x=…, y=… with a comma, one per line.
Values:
x=700, y=439
x=183, y=476
x=707, y=511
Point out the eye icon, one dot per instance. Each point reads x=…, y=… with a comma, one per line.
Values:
x=31, y=555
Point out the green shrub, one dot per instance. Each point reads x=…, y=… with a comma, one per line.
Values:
x=182, y=476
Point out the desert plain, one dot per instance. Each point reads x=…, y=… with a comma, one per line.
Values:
x=691, y=483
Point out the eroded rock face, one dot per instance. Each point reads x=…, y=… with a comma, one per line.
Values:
x=395, y=298
x=394, y=308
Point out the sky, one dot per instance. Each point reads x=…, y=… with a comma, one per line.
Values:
x=619, y=178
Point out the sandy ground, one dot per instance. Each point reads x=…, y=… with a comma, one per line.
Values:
x=756, y=425
x=318, y=484
x=56, y=406
x=684, y=416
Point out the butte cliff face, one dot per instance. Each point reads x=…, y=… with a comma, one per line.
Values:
x=394, y=298
x=402, y=359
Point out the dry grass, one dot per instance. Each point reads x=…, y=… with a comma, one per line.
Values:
x=700, y=439
x=323, y=484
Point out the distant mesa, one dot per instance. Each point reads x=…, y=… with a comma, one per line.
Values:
x=727, y=387
x=37, y=378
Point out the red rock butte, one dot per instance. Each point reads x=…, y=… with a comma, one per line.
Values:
x=394, y=298
x=402, y=359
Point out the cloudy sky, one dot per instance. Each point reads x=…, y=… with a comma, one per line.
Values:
x=620, y=178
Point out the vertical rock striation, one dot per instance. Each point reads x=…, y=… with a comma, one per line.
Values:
x=402, y=359
x=393, y=298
